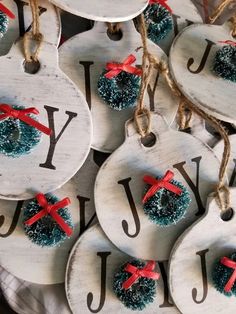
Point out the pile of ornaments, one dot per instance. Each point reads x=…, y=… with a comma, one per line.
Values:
x=130, y=223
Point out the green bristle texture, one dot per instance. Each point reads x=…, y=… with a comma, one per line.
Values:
x=120, y=92
x=225, y=63
x=221, y=275
x=46, y=232
x=142, y=292
x=165, y=207
x=159, y=22
x=4, y=21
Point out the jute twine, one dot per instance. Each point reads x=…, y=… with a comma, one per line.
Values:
x=33, y=35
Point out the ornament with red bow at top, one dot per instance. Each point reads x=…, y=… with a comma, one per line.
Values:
x=165, y=200
x=158, y=18
x=5, y=14
x=119, y=84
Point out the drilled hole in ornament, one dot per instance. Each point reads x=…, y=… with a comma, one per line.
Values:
x=227, y=215
x=149, y=140
x=31, y=67
x=115, y=36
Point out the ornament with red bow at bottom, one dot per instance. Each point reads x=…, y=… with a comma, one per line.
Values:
x=46, y=220
x=165, y=200
x=135, y=284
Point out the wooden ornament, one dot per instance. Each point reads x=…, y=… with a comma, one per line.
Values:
x=89, y=277
x=49, y=20
x=184, y=14
x=47, y=265
x=103, y=10
x=119, y=187
x=192, y=261
x=83, y=58
x=62, y=107
x=231, y=169
x=191, y=63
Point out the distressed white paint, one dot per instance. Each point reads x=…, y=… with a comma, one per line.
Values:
x=95, y=46
x=84, y=276
x=205, y=89
x=212, y=233
x=103, y=10
x=49, y=20
x=133, y=160
x=218, y=150
x=22, y=177
x=45, y=265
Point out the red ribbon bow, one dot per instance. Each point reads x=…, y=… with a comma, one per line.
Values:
x=158, y=184
x=21, y=114
x=137, y=273
x=116, y=68
x=162, y=3
x=228, y=42
x=51, y=209
x=6, y=11
x=231, y=264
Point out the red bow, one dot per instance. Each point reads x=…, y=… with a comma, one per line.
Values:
x=9, y=112
x=115, y=68
x=162, y=3
x=6, y=11
x=231, y=264
x=146, y=272
x=51, y=209
x=228, y=42
x=158, y=184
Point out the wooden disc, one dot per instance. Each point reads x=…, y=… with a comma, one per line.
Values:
x=119, y=188
x=94, y=257
x=218, y=150
x=57, y=158
x=49, y=19
x=103, y=10
x=192, y=260
x=83, y=58
x=46, y=265
x=184, y=14
x=191, y=61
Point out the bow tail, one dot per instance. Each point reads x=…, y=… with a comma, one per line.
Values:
x=66, y=228
x=130, y=281
x=35, y=124
x=231, y=282
x=36, y=217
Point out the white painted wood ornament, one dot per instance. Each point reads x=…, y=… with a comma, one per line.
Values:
x=47, y=265
x=192, y=58
x=49, y=18
x=231, y=170
x=119, y=187
x=193, y=260
x=103, y=10
x=184, y=13
x=58, y=157
x=84, y=57
x=89, y=278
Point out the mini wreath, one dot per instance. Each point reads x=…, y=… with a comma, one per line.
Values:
x=224, y=275
x=165, y=201
x=225, y=62
x=47, y=221
x=158, y=20
x=4, y=20
x=135, y=284
x=119, y=84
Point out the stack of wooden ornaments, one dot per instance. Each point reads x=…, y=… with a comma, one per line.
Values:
x=118, y=113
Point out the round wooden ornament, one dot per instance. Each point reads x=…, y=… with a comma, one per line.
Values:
x=47, y=265
x=184, y=13
x=89, y=277
x=83, y=58
x=191, y=63
x=119, y=187
x=231, y=169
x=58, y=157
x=192, y=261
x=49, y=18
x=103, y=10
